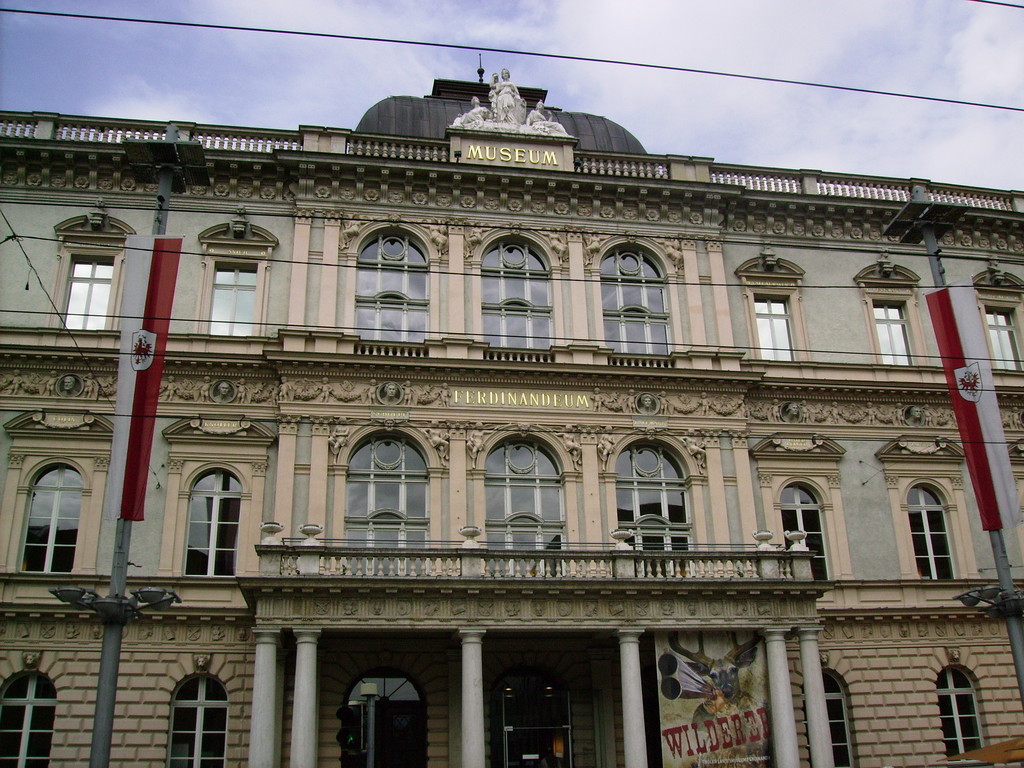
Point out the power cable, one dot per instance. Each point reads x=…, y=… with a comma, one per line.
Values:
x=512, y=51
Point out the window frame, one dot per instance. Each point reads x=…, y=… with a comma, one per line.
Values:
x=816, y=535
x=768, y=325
x=51, y=546
x=887, y=284
x=778, y=280
x=891, y=332
x=923, y=541
x=223, y=250
x=215, y=526
x=624, y=315
x=524, y=528
x=389, y=299
x=202, y=706
x=79, y=242
x=31, y=704
x=651, y=530
x=413, y=530
x=510, y=307
x=838, y=720
x=954, y=740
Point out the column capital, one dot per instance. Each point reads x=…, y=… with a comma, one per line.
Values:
x=629, y=635
x=306, y=635
x=267, y=635
x=809, y=631
x=469, y=634
x=775, y=633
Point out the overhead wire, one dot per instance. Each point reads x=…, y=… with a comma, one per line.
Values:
x=516, y=52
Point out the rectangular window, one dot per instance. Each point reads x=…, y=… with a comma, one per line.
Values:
x=89, y=294
x=1003, y=337
x=234, y=300
x=774, y=336
x=891, y=328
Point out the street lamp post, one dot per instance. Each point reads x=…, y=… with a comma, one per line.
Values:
x=922, y=219
x=171, y=164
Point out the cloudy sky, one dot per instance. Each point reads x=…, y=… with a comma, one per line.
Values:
x=951, y=49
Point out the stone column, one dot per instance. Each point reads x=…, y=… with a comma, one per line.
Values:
x=781, y=696
x=819, y=736
x=634, y=739
x=472, y=698
x=263, y=725
x=304, y=706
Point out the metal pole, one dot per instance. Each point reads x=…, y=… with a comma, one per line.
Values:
x=371, y=732
x=1014, y=624
x=118, y=613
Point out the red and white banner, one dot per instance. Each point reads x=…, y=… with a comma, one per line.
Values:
x=965, y=359
x=150, y=271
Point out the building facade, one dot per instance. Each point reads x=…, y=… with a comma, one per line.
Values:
x=548, y=450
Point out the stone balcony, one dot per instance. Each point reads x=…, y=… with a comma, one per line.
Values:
x=333, y=558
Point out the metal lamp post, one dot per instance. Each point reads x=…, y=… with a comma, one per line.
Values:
x=923, y=219
x=172, y=164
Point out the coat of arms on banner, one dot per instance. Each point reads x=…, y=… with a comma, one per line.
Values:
x=143, y=347
x=713, y=696
x=968, y=382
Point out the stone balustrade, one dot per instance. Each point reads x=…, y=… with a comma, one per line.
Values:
x=55, y=127
x=327, y=558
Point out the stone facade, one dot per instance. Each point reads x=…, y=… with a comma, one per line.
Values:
x=283, y=397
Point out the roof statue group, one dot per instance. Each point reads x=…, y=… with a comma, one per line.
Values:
x=508, y=112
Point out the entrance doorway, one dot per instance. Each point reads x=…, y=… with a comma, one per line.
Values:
x=399, y=736
x=530, y=722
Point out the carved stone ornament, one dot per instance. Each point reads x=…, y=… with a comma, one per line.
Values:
x=647, y=404
x=201, y=662
x=953, y=654
x=69, y=385
x=30, y=659
x=508, y=112
x=222, y=391
x=390, y=393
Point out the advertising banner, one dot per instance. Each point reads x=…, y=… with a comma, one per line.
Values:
x=713, y=696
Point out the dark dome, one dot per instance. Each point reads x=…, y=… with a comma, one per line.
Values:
x=428, y=118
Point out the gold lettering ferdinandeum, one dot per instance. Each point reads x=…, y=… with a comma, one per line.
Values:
x=517, y=155
x=520, y=398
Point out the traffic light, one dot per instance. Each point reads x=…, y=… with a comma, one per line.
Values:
x=350, y=735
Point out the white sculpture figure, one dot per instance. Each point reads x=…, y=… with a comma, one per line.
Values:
x=540, y=121
x=507, y=105
x=475, y=118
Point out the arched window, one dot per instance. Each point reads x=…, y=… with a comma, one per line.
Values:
x=928, y=531
x=958, y=712
x=199, y=725
x=52, y=531
x=801, y=511
x=387, y=494
x=516, y=298
x=633, y=299
x=524, y=497
x=213, y=513
x=400, y=714
x=838, y=720
x=28, y=704
x=651, y=498
x=391, y=292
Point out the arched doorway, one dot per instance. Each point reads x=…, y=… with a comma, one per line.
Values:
x=530, y=722
x=399, y=721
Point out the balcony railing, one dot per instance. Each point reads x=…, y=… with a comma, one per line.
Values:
x=327, y=558
x=54, y=127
